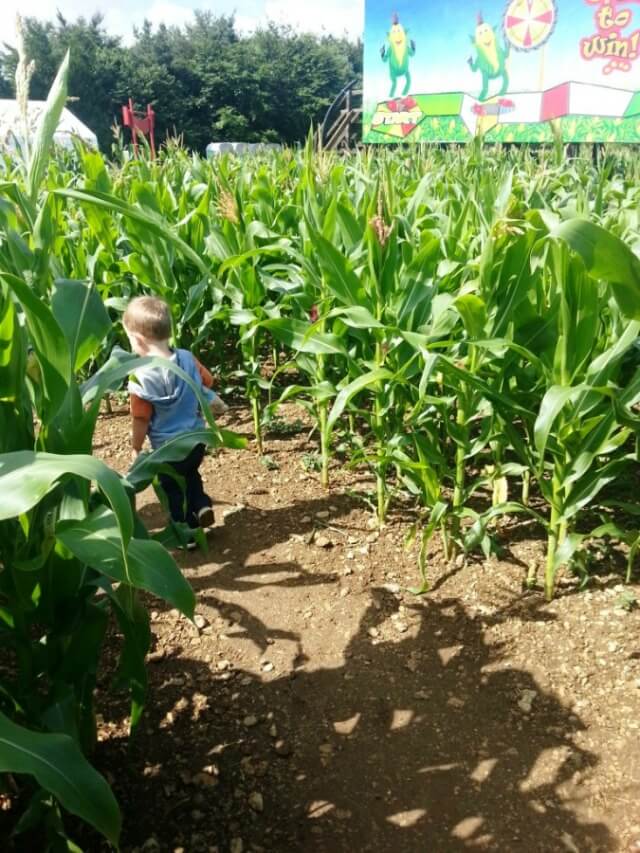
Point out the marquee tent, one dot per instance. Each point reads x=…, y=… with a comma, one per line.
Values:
x=68, y=126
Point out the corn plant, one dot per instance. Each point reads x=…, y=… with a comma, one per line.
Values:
x=71, y=554
x=431, y=306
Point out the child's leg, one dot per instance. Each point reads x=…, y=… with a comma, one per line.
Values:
x=198, y=501
x=185, y=502
x=175, y=496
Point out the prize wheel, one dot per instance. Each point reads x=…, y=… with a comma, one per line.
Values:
x=529, y=23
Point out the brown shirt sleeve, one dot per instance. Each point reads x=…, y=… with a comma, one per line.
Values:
x=140, y=408
x=205, y=375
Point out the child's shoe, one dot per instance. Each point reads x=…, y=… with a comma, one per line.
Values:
x=206, y=517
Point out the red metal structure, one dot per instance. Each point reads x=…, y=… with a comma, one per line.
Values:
x=140, y=123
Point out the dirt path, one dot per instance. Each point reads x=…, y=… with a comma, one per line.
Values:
x=318, y=707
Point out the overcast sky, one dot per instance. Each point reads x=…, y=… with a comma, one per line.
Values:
x=120, y=16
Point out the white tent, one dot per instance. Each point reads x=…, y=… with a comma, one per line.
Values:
x=68, y=126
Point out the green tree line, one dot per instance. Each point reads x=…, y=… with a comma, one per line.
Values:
x=205, y=80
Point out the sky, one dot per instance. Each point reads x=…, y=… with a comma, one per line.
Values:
x=442, y=34
x=120, y=16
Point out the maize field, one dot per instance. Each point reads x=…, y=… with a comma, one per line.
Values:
x=461, y=323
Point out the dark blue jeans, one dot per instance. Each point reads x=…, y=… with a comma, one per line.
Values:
x=184, y=506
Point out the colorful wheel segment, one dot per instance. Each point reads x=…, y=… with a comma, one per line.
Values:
x=529, y=23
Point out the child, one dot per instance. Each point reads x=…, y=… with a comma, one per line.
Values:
x=164, y=406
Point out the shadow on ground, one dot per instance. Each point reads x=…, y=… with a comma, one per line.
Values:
x=416, y=743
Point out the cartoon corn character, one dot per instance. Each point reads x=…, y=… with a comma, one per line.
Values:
x=397, y=54
x=491, y=57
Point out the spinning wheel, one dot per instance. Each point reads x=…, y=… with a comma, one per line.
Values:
x=529, y=23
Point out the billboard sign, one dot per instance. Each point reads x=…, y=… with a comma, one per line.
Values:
x=512, y=70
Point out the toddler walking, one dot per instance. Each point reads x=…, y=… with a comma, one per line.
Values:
x=164, y=406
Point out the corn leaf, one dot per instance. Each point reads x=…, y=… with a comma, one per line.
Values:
x=48, y=342
x=26, y=477
x=57, y=764
x=96, y=541
x=81, y=315
x=302, y=337
x=353, y=388
x=606, y=257
x=47, y=127
x=154, y=224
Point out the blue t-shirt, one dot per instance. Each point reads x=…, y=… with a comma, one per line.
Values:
x=176, y=408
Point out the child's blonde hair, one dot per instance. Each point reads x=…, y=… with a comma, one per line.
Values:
x=149, y=317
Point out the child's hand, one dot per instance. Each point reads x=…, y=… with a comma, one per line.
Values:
x=218, y=406
x=134, y=454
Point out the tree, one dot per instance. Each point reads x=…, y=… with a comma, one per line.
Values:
x=97, y=64
x=204, y=81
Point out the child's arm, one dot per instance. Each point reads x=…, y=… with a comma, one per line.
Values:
x=216, y=403
x=141, y=411
x=205, y=375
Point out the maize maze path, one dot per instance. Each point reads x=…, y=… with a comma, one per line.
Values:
x=319, y=707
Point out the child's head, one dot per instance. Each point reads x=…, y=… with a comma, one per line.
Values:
x=147, y=321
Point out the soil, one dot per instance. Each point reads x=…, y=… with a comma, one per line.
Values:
x=320, y=706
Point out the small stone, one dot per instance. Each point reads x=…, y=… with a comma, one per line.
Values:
x=526, y=700
x=154, y=615
x=199, y=621
x=205, y=780
x=306, y=519
x=282, y=748
x=256, y=801
x=323, y=542
x=373, y=632
x=151, y=845
x=267, y=666
x=273, y=731
x=324, y=513
x=223, y=665
x=401, y=627
x=344, y=592
x=569, y=843
x=250, y=721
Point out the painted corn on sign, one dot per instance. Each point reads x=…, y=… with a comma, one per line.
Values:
x=512, y=70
